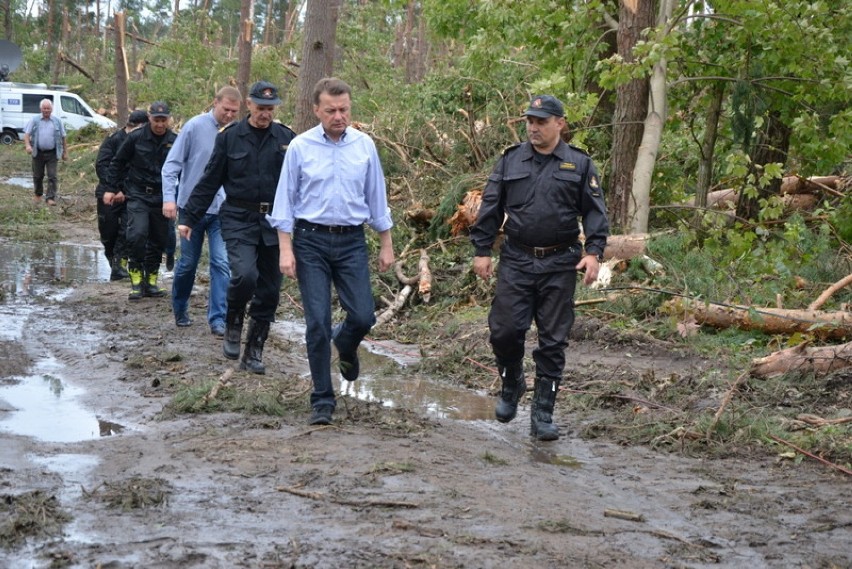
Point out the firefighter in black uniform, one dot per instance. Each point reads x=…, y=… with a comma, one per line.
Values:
x=112, y=219
x=543, y=187
x=246, y=161
x=136, y=167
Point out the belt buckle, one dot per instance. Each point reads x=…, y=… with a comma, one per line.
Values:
x=539, y=252
x=264, y=207
x=335, y=229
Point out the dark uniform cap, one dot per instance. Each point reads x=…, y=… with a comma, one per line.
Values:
x=264, y=93
x=544, y=106
x=137, y=117
x=159, y=109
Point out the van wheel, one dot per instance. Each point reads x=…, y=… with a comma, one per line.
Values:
x=8, y=138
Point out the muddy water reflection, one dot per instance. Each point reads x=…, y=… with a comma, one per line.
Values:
x=47, y=408
x=402, y=387
x=28, y=269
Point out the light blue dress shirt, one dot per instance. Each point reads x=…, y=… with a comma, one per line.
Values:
x=331, y=183
x=187, y=159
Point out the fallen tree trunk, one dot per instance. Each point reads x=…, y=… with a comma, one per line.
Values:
x=835, y=325
x=845, y=281
x=820, y=360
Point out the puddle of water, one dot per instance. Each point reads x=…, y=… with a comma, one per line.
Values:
x=21, y=180
x=402, y=389
x=30, y=269
x=47, y=408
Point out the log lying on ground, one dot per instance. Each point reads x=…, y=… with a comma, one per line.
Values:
x=820, y=360
x=793, y=189
x=836, y=325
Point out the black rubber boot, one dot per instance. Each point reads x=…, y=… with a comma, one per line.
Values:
x=233, y=333
x=149, y=286
x=541, y=417
x=256, y=335
x=119, y=269
x=136, y=292
x=513, y=388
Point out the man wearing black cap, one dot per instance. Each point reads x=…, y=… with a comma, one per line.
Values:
x=112, y=222
x=543, y=188
x=246, y=161
x=136, y=167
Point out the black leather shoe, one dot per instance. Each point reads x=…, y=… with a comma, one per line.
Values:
x=170, y=261
x=183, y=320
x=348, y=364
x=321, y=415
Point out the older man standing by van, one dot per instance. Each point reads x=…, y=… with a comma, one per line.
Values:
x=44, y=139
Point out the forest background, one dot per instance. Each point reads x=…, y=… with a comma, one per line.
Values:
x=672, y=99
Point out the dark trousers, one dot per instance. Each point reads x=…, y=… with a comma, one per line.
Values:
x=112, y=227
x=255, y=276
x=147, y=235
x=521, y=297
x=322, y=260
x=45, y=161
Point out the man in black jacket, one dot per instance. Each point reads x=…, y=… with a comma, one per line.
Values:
x=136, y=167
x=112, y=222
x=542, y=188
x=246, y=162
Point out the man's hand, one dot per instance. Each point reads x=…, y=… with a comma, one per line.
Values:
x=386, y=258
x=169, y=210
x=589, y=263
x=185, y=231
x=483, y=268
x=287, y=262
x=109, y=198
x=118, y=198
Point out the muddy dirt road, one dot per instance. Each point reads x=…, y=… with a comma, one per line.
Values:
x=384, y=487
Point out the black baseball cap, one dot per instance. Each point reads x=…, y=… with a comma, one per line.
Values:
x=264, y=93
x=137, y=117
x=159, y=109
x=544, y=106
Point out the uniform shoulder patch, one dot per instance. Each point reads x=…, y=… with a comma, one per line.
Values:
x=578, y=149
x=510, y=148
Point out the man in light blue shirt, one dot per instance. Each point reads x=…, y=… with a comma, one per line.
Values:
x=183, y=168
x=331, y=184
x=44, y=139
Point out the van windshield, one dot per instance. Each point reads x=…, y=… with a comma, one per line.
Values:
x=72, y=105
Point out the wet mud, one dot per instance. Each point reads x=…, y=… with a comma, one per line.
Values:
x=413, y=473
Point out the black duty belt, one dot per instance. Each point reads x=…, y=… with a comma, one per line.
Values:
x=259, y=207
x=151, y=190
x=302, y=224
x=541, y=252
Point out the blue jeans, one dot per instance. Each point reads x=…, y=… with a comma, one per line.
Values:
x=187, y=264
x=322, y=259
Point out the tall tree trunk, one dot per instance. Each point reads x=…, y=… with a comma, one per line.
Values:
x=244, y=49
x=269, y=27
x=7, y=19
x=631, y=108
x=773, y=142
x=51, y=52
x=708, y=145
x=640, y=205
x=121, y=72
x=317, y=57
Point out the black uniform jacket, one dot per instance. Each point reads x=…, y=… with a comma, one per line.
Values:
x=248, y=169
x=138, y=163
x=542, y=199
x=106, y=153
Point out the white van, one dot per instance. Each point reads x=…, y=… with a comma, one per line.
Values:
x=20, y=101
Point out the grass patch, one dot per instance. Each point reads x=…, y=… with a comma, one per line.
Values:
x=132, y=494
x=33, y=514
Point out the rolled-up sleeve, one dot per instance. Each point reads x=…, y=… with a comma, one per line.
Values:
x=375, y=193
x=282, y=217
